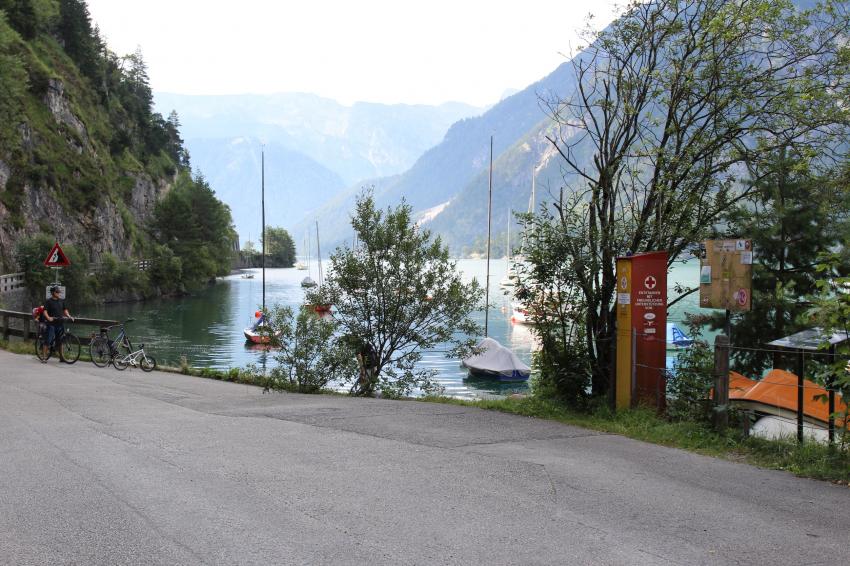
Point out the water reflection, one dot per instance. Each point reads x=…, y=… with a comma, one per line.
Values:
x=207, y=327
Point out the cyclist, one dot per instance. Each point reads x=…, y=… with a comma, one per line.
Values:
x=54, y=311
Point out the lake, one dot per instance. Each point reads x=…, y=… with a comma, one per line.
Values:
x=206, y=327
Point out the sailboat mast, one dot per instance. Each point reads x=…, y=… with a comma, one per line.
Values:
x=489, y=216
x=508, y=253
x=319, y=252
x=263, y=206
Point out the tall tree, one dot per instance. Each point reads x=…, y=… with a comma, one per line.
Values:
x=21, y=16
x=280, y=247
x=668, y=101
x=78, y=37
x=396, y=294
x=793, y=218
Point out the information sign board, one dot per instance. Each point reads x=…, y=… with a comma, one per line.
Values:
x=726, y=274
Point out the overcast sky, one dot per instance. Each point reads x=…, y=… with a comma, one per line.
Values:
x=387, y=51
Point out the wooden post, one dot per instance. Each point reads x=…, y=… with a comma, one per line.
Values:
x=26, y=328
x=5, y=327
x=721, y=382
x=801, y=369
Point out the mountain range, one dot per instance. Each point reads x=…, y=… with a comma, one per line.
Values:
x=315, y=147
x=447, y=185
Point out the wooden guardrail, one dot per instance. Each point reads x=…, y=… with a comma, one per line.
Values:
x=30, y=327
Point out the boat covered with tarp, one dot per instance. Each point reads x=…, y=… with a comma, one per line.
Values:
x=496, y=362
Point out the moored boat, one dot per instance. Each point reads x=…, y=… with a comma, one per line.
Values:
x=496, y=362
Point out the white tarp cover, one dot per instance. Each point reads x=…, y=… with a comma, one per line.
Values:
x=495, y=358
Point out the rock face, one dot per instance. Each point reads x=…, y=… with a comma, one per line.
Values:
x=39, y=206
x=5, y=173
x=60, y=107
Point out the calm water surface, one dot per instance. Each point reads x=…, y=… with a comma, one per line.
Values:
x=207, y=327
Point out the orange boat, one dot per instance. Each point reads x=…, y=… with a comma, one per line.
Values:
x=776, y=394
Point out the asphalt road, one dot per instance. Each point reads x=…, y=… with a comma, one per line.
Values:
x=105, y=467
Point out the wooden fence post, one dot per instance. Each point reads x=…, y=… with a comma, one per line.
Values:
x=721, y=382
x=5, y=327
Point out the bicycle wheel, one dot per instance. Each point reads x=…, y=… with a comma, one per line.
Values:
x=100, y=351
x=147, y=363
x=120, y=361
x=39, y=349
x=70, y=348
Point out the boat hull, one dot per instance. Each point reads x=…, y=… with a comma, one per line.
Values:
x=255, y=337
x=496, y=376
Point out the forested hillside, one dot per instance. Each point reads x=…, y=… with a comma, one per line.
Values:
x=85, y=160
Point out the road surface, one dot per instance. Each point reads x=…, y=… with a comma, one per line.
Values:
x=107, y=467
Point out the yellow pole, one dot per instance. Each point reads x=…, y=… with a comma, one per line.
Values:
x=624, y=333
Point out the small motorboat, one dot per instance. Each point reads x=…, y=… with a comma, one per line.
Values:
x=300, y=266
x=308, y=282
x=247, y=276
x=496, y=362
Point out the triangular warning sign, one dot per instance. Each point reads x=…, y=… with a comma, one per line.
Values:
x=56, y=257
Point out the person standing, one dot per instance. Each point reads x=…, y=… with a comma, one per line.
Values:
x=55, y=312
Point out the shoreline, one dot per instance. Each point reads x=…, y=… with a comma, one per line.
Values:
x=808, y=460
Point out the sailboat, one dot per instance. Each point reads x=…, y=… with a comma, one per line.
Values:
x=308, y=281
x=494, y=360
x=254, y=333
x=321, y=308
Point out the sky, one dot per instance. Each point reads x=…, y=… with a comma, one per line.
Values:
x=388, y=51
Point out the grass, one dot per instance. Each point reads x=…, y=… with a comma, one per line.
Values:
x=809, y=459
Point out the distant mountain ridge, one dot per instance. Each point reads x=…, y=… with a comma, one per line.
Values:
x=455, y=170
x=317, y=146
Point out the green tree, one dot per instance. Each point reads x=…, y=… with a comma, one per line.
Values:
x=547, y=286
x=280, y=248
x=794, y=216
x=22, y=16
x=397, y=293
x=197, y=227
x=78, y=37
x=309, y=354
x=668, y=101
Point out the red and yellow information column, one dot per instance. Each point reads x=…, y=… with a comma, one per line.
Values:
x=641, y=329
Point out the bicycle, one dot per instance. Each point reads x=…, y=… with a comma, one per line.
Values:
x=103, y=350
x=139, y=357
x=68, y=353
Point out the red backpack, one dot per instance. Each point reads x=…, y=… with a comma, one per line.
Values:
x=37, y=312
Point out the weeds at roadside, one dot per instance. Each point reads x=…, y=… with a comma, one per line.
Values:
x=809, y=459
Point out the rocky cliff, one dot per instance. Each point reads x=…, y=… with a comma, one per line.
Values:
x=83, y=158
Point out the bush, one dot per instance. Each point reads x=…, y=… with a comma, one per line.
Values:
x=689, y=388
x=310, y=354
